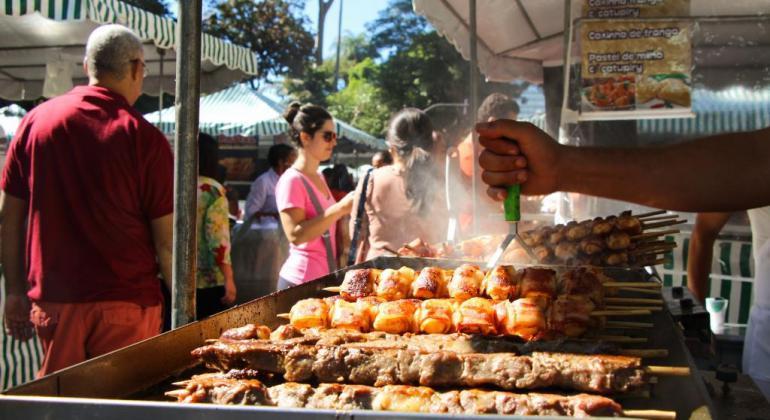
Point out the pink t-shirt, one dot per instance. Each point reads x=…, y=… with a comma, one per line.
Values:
x=306, y=261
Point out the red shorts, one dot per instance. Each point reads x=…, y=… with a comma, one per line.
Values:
x=73, y=332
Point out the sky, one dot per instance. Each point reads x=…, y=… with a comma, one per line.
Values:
x=355, y=15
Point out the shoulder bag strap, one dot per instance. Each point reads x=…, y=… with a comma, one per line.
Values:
x=326, y=235
x=357, y=223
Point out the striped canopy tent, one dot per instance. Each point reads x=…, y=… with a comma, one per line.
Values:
x=728, y=110
x=242, y=111
x=42, y=43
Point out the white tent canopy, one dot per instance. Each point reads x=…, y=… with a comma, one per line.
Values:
x=52, y=33
x=516, y=38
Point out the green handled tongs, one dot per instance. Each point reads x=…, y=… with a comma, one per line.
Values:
x=512, y=209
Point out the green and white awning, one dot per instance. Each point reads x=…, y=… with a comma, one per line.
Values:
x=729, y=110
x=241, y=111
x=35, y=33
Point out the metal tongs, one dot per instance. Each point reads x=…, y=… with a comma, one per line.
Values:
x=512, y=209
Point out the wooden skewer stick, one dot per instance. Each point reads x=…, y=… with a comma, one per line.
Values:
x=668, y=370
x=389, y=249
x=181, y=383
x=621, y=339
x=648, y=214
x=654, y=234
x=615, y=311
x=662, y=224
x=621, y=312
x=333, y=289
x=640, y=301
x=653, y=249
x=624, y=284
x=663, y=217
x=632, y=308
x=656, y=262
x=651, y=414
x=640, y=290
x=627, y=324
x=176, y=393
x=644, y=353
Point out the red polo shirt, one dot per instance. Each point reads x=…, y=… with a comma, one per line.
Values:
x=95, y=173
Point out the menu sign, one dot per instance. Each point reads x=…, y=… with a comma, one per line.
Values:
x=624, y=9
x=635, y=66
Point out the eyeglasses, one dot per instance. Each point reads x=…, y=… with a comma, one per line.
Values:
x=145, y=72
x=329, y=136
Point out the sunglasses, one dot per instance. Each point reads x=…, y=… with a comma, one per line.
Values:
x=329, y=136
x=145, y=72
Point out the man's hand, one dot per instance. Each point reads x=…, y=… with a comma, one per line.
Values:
x=17, y=322
x=518, y=153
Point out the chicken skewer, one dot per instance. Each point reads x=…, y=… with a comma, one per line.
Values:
x=500, y=283
x=527, y=318
x=218, y=388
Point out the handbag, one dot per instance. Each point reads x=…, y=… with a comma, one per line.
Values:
x=354, y=241
x=330, y=258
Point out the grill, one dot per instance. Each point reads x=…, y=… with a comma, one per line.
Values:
x=129, y=382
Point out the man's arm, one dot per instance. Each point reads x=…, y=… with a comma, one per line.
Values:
x=700, y=253
x=162, y=237
x=13, y=212
x=720, y=173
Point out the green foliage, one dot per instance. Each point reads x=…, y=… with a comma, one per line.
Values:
x=402, y=62
x=273, y=29
x=360, y=103
x=313, y=86
x=396, y=26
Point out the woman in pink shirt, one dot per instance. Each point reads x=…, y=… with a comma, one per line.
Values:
x=309, y=213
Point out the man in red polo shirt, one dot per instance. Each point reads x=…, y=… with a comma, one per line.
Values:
x=90, y=183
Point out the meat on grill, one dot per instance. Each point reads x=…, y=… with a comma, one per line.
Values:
x=219, y=389
x=392, y=366
x=427, y=343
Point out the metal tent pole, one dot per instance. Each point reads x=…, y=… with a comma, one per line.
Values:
x=474, y=106
x=162, y=55
x=188, y=65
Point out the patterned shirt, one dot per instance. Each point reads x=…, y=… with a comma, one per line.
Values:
x=213, y=233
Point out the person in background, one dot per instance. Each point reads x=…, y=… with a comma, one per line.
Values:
x=215, y=286
x=680, y=177
x=402, y=201
x=701, y=251
x=494, y=107
x=90, y=183
x=309, y=214
x=233, y=210
x=382, y=158
x=260, y=203
x=340, y=181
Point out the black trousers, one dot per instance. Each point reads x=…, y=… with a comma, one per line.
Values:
x=208, y=301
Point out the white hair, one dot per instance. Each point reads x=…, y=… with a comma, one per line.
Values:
x=110, y=49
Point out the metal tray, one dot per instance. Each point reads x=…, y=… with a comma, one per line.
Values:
x=115, y=385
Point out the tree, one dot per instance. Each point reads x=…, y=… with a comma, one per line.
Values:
x=422, y=68
x=396, y=26
x=313, y=86
x=360, y=103
x=273, y=29
x=323, y=9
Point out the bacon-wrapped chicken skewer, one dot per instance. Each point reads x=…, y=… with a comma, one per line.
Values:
x=467, y=281
x=565, y=316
